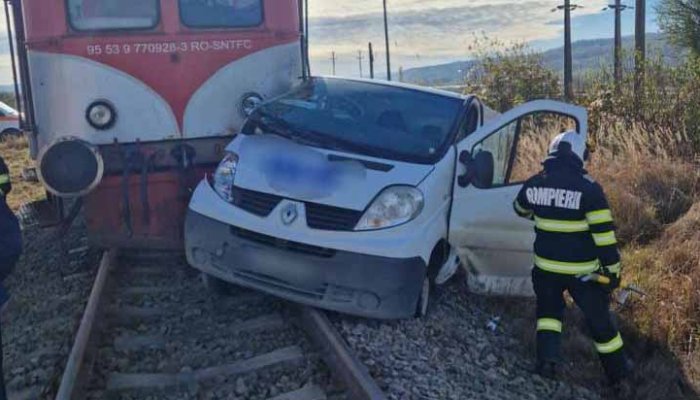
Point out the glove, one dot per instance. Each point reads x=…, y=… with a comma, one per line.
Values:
x=613, y=276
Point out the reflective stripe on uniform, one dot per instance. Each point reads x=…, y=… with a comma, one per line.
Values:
x=555, y=225
x=599, y=217
x=614, y=269
x=604, y=239
x=4, y=178
x=611, y=346
x=549, y=324
x=567, y=268
x=520, y=209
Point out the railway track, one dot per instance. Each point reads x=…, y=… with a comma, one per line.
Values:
x=150, y=330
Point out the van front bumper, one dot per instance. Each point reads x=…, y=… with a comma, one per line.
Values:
x=352, y=283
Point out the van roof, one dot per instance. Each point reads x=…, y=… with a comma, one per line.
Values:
x=401, y=85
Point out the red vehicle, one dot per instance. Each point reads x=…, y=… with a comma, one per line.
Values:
x=129, y=102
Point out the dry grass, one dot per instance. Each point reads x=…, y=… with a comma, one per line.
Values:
x=653, y=187
x=669, y=270
x=15, y=152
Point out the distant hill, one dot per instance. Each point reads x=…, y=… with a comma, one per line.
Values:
x=588, y=55
x=443, y=74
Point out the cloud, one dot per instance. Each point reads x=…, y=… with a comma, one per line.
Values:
x=426, y=32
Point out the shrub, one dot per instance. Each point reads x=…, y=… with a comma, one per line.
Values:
x=669, y=100
x=509, y=74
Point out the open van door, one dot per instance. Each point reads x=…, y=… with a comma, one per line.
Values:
x=494, y=244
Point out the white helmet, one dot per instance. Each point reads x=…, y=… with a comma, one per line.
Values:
x=573, y=141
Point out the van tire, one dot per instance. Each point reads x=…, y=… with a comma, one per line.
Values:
x=429, y=289
x=216, y=285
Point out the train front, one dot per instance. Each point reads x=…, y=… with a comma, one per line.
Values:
x=132, y=101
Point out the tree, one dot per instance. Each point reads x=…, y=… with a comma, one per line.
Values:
x=680, y=19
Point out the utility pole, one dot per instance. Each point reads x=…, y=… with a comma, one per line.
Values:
x=333, y=60
x=371, y=61
x=568, y=53
x=386, y=38
x=618, y=7
x=640, y=45
x=567, y=7
x=360, y=57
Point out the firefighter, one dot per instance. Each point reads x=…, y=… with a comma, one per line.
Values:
x=575, y=251
x=10, y=248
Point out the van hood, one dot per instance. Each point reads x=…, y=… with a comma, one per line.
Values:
x=276, y=165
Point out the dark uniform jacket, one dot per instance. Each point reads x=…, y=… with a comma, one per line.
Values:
x=574, y=225
x=10, y=233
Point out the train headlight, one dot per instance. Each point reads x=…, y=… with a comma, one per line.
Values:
x=101, y=115
x=396, y=205
x=250, y=102
x=222, y=181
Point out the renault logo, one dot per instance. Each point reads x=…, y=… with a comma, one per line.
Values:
x=289, y=214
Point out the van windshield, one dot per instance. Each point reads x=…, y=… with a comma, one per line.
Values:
x=366, y=118
x=86, y=15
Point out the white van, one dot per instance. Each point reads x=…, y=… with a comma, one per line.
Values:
x=360, y=196
x=9, y=121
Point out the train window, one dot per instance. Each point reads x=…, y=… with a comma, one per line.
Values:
x=89, y=15
x=221, y=13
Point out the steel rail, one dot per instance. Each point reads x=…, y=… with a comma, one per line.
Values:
x=76, y=372
x=338, y=356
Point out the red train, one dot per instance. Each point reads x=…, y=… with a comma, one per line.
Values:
x=128, y=103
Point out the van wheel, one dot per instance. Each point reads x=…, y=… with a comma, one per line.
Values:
x=216, y=285
x=423, y=305
x=430, y=288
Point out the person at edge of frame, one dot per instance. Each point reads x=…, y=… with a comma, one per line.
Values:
x=10, y=250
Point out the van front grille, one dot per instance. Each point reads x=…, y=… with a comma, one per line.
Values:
x=318, y=216
x=329, y=218
x=257, y=203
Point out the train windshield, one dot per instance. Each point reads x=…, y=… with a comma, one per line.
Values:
x=376, y=120
x=221, y=13
x=86, y=15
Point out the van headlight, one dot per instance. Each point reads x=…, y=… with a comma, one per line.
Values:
x=222, y=181
x=394, y=206
x=250, y=103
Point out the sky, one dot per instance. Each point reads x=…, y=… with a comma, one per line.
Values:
x=427, y=32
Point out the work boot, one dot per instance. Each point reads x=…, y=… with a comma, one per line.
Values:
x=547, y=369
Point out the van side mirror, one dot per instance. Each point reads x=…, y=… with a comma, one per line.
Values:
x=480, y=169
x=483, y=166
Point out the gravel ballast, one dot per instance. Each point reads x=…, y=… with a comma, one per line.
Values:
x=457, y=352
x=49, y=290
